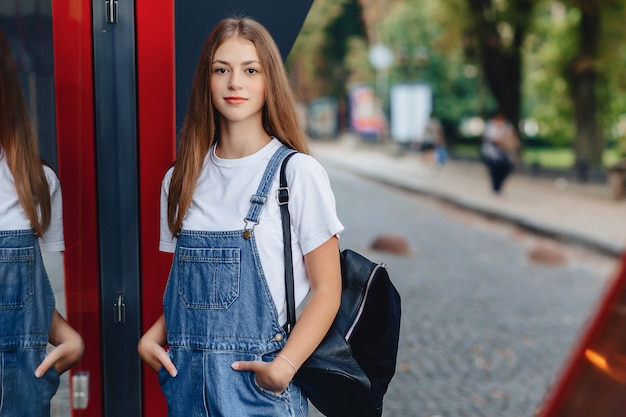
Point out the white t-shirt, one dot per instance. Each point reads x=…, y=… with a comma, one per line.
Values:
x=222, y=199
x=13, y=216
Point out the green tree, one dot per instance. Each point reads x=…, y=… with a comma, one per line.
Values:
x=425, y=40
x=574, y=86
x=612, y=92
x=319, y=53
x=549, y=49
x=612, y=89
x=582, y=75
x=495, y=34
x=558, y=62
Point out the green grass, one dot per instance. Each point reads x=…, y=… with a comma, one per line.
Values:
x=549, y=158
x=554, y=158
x=559, y=158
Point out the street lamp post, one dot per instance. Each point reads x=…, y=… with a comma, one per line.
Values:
x=381, y=58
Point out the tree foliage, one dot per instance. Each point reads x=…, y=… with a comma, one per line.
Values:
x=319, y=53
x=495, y=32
x=425, y=41
x=549, y=49
x=573, y=86
x=556, y=63
x=611, y=62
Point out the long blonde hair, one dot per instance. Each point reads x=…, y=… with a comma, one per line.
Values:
x=200, y=129
x=19, y=145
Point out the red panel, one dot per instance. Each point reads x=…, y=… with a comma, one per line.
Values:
x=583, y=388
x=72, y=37
x=157, y=150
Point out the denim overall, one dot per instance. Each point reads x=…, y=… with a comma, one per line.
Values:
x=218, y=310
x=26, y=308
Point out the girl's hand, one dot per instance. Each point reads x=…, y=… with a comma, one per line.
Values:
x=62, y=357
x=155, y=356
x=68, y=350
x=273, y=376
x=151, y=351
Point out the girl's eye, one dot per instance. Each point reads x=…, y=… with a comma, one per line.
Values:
x=252, y=71
x=220, y=70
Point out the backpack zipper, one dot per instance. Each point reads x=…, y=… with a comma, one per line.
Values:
x=362, y=306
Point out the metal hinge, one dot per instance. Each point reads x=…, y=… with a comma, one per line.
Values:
x=111, y=6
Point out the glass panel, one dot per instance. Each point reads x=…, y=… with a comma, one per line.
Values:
x=60, y=405
x=27, y=25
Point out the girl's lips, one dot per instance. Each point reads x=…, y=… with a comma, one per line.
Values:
x=235, y=100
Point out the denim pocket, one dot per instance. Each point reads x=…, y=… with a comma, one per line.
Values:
x=16, y=277
x=267, y=393
x=209, y=277
x=49, y=382
x=21, y=392
x=162, y=372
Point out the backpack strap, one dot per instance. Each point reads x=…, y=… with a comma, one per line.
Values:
x=283, y=201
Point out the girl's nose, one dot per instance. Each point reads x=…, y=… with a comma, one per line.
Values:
x=233, y=81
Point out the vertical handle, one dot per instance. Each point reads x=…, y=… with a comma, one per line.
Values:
x=111, y=6
x=119, y=309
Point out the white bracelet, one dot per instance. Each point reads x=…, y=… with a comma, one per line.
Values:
x=288, y=361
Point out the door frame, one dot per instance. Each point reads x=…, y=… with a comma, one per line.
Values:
x=118, y=204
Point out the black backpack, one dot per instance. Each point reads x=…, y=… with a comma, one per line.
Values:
x=348, y=374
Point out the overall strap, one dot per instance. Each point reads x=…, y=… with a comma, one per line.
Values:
x=260, y=197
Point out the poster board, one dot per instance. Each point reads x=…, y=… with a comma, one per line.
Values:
x=411, y=106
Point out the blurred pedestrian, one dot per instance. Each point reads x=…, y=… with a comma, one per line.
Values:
x=31, y=222
x=499, y=150
x=224, y=304
x=435, y=135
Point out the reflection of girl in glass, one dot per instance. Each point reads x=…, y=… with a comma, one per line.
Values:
x=30, y=222
x=229, y=354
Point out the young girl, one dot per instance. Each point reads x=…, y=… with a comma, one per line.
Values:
x=30, y=222
x=224, y=304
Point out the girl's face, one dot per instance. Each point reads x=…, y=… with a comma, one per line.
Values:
x=237, y=81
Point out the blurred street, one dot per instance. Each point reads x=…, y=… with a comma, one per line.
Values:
x=487, y=324
x=575, y=212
